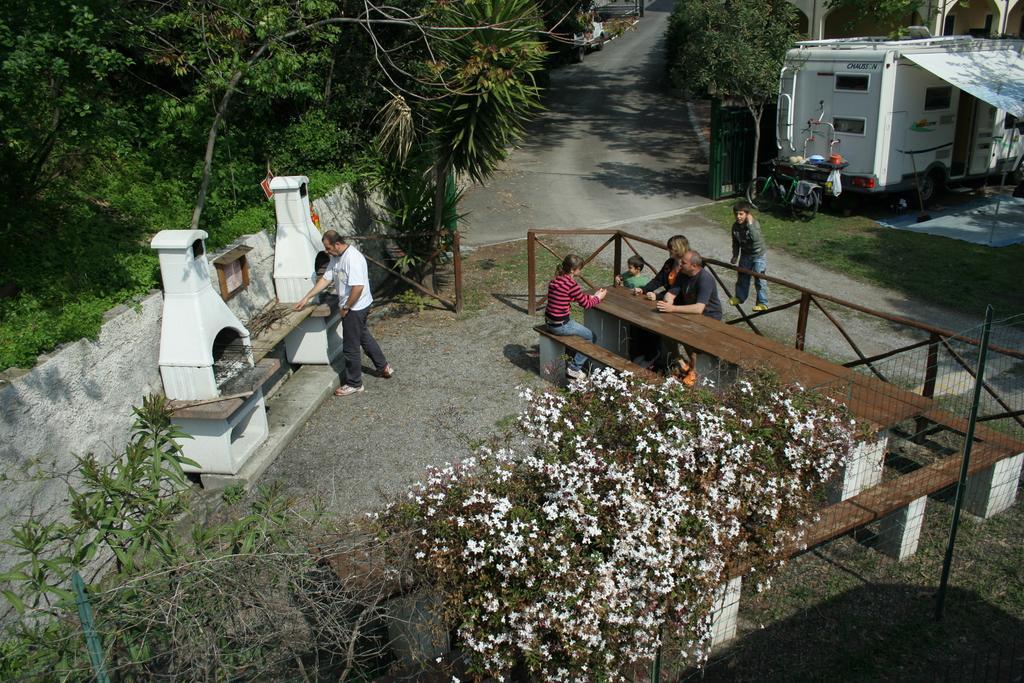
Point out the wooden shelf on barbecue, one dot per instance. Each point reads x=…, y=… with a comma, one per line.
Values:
x=223, y=408
x=327, y=308
x=266, y=340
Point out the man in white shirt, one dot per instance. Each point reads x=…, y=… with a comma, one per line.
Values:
x=347, y=269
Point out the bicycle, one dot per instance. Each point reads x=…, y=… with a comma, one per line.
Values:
x=802, y=197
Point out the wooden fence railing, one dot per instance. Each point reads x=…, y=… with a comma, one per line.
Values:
x=455, y=305
x=935, y=338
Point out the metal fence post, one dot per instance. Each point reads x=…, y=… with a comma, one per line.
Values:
x=92, y=640
x=940, y=598
x=656, y=667
x=715, y=153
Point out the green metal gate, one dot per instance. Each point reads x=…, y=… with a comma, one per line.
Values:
x=732, y=150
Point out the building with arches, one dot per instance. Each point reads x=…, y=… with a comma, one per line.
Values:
x=947, y=17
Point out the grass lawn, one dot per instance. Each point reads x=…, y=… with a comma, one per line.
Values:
x=846, y=612
x=939, y=270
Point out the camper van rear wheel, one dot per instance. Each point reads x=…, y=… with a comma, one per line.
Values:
x=929, y=186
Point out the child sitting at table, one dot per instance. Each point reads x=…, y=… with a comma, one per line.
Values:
x=563, y=290
x=646, y=348
x=633, y=277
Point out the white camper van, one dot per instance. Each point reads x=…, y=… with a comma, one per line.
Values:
x=943, y=109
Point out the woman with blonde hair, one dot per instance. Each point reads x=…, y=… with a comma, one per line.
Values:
x=670, y=275
x=646, y=347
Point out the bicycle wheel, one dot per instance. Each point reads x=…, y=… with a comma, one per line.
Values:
x=762, y=191
x=811, y=209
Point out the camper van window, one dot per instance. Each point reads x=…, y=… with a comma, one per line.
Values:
x=938, y=98
x=847, y=82
x=849, y=126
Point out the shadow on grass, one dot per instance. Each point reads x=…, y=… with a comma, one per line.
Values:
x=939, y=270
x=878, y=632
x=517, y=302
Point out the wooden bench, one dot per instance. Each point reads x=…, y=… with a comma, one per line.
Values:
x=553, y=347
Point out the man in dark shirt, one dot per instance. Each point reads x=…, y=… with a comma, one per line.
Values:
x=697, y=294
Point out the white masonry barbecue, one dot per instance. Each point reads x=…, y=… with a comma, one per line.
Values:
x=297, y=242
x=196, y=321
x=206, y=353
x=298, y=251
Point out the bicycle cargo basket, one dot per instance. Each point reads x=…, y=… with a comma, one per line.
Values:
x=803, y=194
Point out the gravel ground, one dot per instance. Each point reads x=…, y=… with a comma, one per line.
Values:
x=457, y=376
x=455, y=380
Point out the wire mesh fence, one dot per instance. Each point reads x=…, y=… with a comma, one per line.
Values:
x=863, y=600
x=858, y=599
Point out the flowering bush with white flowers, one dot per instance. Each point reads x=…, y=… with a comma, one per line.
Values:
x=615, y=522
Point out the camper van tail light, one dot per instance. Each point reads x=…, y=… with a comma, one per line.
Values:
x=867, y=183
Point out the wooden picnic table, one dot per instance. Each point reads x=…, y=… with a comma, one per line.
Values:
x=867, y=397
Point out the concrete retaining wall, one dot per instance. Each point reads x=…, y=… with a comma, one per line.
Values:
x=79, y=398
x=353, y=213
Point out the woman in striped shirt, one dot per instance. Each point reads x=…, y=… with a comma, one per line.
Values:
x=562, y=291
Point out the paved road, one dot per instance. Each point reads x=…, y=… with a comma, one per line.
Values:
x=613, y=145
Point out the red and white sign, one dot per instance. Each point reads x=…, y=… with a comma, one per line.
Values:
x=265, y=184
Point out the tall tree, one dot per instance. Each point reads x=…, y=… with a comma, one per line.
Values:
x=893, y=15
x=488, y=68
x=731, y=49
x=478, y=82
x=486, y=54
x=58, y=63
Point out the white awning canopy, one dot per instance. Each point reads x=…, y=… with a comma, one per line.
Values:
x=995, y=76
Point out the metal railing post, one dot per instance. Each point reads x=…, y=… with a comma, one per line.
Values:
x=940, y=598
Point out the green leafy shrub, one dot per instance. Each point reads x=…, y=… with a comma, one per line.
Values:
x=125, y=507
x=249, y=595
x=324, y=180
x=246, y=222
x=316, y=140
